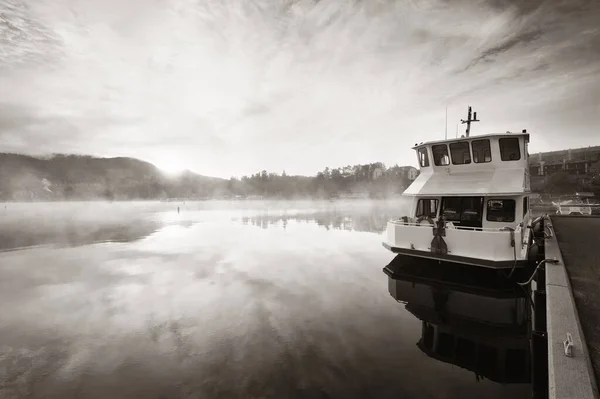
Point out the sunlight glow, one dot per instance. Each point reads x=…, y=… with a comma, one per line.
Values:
x=170, y=166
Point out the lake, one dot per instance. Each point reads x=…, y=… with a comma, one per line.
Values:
x=221, y=300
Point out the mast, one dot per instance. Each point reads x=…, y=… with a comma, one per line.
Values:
x=446, y=134
x=469, y=120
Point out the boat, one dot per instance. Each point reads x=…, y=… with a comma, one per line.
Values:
x=577, y=204
x=470, y=202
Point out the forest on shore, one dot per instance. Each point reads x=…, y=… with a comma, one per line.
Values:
x=80, y=177
x=77, y=177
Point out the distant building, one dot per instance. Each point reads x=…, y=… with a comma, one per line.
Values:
x=409, y=173
x=578, y=161
x=377, y=173
x=412, y=173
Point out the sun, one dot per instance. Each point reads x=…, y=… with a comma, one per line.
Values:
x=170, y=166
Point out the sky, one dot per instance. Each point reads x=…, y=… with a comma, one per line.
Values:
x=231, y=87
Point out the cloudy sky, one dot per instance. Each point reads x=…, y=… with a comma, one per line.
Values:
x=231, y=87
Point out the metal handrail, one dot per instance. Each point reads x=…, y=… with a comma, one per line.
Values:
x=412, y=224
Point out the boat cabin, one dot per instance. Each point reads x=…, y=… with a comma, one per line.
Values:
x=474, y=213
x=470, y=202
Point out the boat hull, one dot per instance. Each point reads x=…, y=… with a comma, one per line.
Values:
x=490, y=248
x=464, y=260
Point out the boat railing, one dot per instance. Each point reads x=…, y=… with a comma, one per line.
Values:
x=449, y=225
x=569, y=206
x=490, y=244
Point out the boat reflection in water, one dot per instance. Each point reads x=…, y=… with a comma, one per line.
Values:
x=471, y=318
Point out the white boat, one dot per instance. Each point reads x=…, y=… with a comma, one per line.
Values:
x=578, y=204
x=470, y=202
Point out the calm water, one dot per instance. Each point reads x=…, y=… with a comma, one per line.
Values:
x=223, y=300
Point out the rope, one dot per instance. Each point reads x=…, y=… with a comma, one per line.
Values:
x=536, y=270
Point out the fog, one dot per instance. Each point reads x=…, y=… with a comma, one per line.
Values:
x=80, y=223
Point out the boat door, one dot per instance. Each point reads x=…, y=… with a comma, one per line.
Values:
x=463, y=211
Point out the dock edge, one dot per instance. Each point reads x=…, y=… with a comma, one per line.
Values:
x=568, y=377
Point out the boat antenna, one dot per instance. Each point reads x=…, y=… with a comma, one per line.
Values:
x=469, y=120
x=446, y=134
x=456, y=130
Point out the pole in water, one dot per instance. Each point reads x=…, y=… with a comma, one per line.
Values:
x=177, y=210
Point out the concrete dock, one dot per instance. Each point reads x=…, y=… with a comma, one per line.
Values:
x=572, y=293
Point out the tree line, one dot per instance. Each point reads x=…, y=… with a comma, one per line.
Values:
x=76, y=177
x=364, y=180
x=80, y=177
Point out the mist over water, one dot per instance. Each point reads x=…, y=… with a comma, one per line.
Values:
x=78, y=223
x=246, y=299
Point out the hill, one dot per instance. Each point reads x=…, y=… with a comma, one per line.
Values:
x=77, y=177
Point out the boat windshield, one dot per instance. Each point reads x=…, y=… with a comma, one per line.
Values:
x=427, y=207
x=501, y=210
x=464, y=211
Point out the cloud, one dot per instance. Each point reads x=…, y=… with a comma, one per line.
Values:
x=519, y=40
x=231, y=87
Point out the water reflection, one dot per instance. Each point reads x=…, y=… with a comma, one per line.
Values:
x=27, y=225
x=206, y=306
x=470, y=318
x=216, y=310
x=19, y=236
x=355, y=220
x=25, y=232
x=77, y=224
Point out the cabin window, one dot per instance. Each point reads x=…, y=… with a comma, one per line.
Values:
x=482, y=152
x=466, y=211
x=427, y=208
x=440, y=155
x=525, y=205
x=423, y=157
x=461, y=155
x=452, y=208
x=509, y=149
x=501, y=210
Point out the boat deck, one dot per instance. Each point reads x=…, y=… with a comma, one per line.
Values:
x=573, y=304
